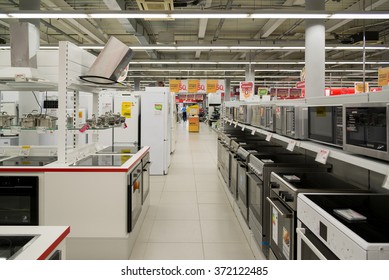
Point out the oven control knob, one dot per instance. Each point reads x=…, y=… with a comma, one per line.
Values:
x=288, y=198
x=274, y=185
x=282, y=194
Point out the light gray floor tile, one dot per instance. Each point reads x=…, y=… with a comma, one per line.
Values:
x=175, y=231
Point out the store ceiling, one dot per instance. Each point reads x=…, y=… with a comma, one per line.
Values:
x=231, y=32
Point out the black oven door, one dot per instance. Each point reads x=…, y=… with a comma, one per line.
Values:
x=19, y=200
x=255, y=190
x=134, y=198
x=242, y=195
x=281, y=231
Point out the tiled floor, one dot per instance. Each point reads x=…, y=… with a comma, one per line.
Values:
x=189, y=215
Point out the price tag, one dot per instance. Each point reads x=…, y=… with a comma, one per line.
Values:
x=25, y=151
x=84, y=128
x=268, y=137
x=243, y=127
x=41, y=130
x=15, y=130
x=236, y=124
x=322, y=156
x=253, y=132
x=291, y=145
x=230, y=122
x=386, y=181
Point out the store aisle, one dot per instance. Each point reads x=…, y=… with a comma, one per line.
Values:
x=189, y=215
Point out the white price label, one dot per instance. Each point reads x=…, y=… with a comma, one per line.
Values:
x=236, y=124
x=41, y=129
x=291, y=145
x=243, y=127
x=253, y=132
x=25, y=151
x=230, y=122
x=15, y=130
x=322, y=156
x=268, y=137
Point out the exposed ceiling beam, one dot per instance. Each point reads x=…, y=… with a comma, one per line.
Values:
x=221, y=22
x=203, y=27
x=335, y=24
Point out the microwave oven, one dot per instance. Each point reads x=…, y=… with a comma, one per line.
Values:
x=292, y=121
x=325, y=124
x=365, y=129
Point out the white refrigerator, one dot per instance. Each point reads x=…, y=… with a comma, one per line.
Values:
x=156, y=127
x=173, y=122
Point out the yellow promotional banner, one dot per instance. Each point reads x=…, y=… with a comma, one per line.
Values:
x=360, y=88
x=383, y=76
x=174, y=86
x=126, y=109
x=193, y=86
x=212, y=86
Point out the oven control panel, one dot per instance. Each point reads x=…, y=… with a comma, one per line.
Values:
x=282, y=191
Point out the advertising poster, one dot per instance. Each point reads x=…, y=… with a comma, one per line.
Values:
x=183, y=87
x=383, y=76
x=274, y=225
x=126, y=109
x=220, y=87
x=262, y=91
x=174, y=86
x=360, y=88
x=193, y=86
x=202, y=86
x=212, y=86
x=246, y=91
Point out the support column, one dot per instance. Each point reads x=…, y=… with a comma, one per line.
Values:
x=227, y=89
x=314, y=51
x=136, y=83
x=250, y=69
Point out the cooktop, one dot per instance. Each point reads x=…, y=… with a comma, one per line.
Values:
x=373, y=228
x=28, y=161
x=120, y=150
x=102, y=160
x=11, y=246
x=315, y=180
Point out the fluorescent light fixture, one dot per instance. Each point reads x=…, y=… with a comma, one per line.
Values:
x=297, y=15
x=202, y=47
x=121, y=14
x=4, y=15
x=361, y=15
x=48, y=15
x=210, y=16
x=153, y=47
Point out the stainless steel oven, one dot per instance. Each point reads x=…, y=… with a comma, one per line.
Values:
x=366, y=129
x=268, y=117
x=244, y=114
x=325, y=124
x=134, y=196
x=292, y=121
x=19, y=200
x=145, y=177
x=256, y=115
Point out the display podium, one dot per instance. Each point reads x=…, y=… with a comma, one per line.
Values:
x=194, y=124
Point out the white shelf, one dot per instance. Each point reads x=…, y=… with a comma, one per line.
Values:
x=335, y=153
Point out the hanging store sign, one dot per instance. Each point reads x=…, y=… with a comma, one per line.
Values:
x=174, y=86
x=246, y=90
x=202, y=86
x=262, y=91
x=383, y=76
x=361, y=88
x=212, y=86
x=183, y=87
x=193, y=86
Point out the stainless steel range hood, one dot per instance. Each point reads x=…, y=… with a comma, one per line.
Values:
x=23, y=72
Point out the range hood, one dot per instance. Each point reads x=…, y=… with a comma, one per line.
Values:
x=23, y=72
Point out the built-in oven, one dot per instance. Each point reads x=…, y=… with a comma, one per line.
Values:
x=256, y=115
x=19, y=200
x=245, y=114
x=366, y=129
x=268, y=118
x=145, y=177
x=293, y=121
x=325, y=124
x=134, y=196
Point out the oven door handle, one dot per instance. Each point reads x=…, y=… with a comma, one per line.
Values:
x=277, y=208
x=301, y=234
x=146, y=166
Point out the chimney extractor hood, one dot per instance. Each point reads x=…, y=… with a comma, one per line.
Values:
x=111, y=64
x=23, y=72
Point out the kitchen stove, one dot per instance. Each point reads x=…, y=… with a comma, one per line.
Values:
x=260, y=167
x=102, y=160
x=120, y=150
x=351, y=226
x=28, y=161
x=285, y=187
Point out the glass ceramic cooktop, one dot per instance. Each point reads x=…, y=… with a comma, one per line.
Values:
x=11, y=246
x=375, y=207
x=28, y=161
x=102, y=160
x=120, y=150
